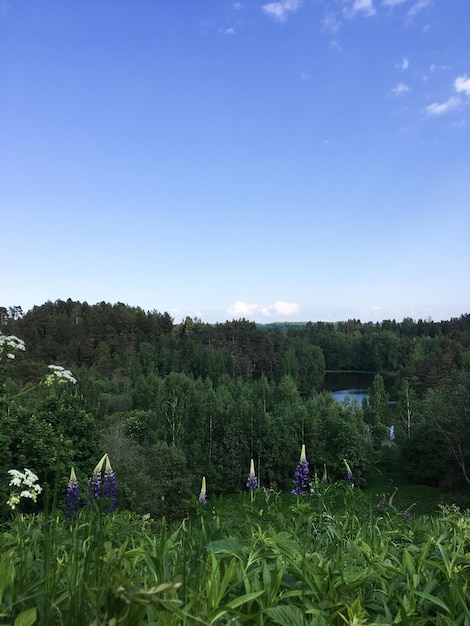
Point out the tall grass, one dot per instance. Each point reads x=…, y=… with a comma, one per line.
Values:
x=331, y=557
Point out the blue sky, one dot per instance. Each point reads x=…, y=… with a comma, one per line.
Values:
x=294, y=160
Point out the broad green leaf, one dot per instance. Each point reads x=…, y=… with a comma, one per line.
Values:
x=286, y=615
x=26, y=618
x=224, y=546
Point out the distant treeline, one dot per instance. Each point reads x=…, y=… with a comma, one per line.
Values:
x=171, y=402
x=107, y=337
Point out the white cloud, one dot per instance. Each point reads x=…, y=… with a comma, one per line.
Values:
x=462, y=85
x=417, y=7
x=435, y=68
x=444, y=107
x=280, y=308
x=286, y=308
x=363, y=5
x=238, y=6
x=335, y=45
x=331, y=23
x=227, y=31
x=241, y=309
x=404, y=64
x=392, y=3
x=280, y=10
x=399, y=89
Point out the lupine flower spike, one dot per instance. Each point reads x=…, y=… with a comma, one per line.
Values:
x=390, y=501
x=203, y=493
x=72, y=496
x=95, y=482
x=102, y=484
x=109, y=487
x=407, y=513
x=252, y=482
x=324, y=479
x=301, y=475
x=349, y=475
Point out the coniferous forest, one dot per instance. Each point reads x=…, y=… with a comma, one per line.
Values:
x=171, y=402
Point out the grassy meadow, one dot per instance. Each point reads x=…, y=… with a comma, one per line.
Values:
x=336, y=556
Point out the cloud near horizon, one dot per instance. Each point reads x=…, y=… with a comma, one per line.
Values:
x=281, y=308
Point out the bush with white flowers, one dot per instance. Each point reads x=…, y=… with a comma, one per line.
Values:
x=25, y=486
x=9, y=344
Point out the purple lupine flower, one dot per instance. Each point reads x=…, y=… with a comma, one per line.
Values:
x=72, y=496
x=301, y=475
x=102, y=486
x=95, y=482
x=252, y=482
x=324, y=479
x=94, y=485
x=203, y=492
x=109, y=488
x=407, y=514
x=349, y=478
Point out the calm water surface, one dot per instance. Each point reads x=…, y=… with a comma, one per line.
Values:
x=352, y=394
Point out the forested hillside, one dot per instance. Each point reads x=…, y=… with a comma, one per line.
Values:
x=171, y=402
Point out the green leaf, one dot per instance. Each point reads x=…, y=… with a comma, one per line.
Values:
x=434, y=600
x=224, y=546
x=5, y=571
x=233, y=604
x=26, y=618
x=286, y=615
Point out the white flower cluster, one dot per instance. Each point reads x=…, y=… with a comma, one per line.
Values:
x=10, y=343
x=59, y=372
x=28, y=488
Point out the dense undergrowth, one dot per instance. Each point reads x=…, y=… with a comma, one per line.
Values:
x=331, y=557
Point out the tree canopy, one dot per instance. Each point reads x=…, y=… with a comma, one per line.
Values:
x=207, y=398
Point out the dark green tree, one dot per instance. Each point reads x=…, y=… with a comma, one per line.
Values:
x=377, y=412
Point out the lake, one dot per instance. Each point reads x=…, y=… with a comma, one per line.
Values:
x=351, y=394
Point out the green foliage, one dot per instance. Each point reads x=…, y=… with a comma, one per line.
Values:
x=438, y=449
x=377, y=413
x=332, y=559
x=152, y=477
x=219, y=395
x=51, y=435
